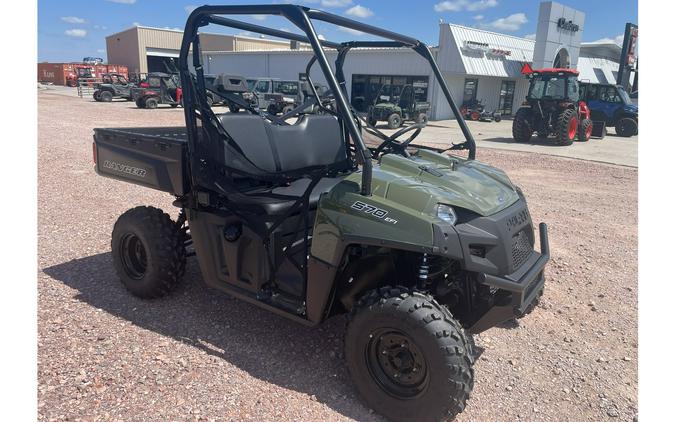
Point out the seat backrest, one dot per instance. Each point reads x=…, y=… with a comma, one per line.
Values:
x=314, y=140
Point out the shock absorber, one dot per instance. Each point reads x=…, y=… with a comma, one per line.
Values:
x=423, y=273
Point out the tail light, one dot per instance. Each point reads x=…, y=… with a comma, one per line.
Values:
x=93, y=146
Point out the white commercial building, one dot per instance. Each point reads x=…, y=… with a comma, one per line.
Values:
x=477, y=64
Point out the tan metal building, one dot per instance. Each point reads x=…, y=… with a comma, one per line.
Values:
x=144, y=49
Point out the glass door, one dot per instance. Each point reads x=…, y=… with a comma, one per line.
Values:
x=506, y=97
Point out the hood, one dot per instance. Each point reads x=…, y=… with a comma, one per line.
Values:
x=427, y=179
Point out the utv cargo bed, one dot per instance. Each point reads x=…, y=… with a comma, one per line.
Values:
x=149, y=156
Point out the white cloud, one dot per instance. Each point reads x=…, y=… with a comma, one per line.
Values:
x=73, y=19
x=509, y=23
x=76, y=33
x=350, y=30
x=616, y=40
x=321, y=37
x=459, y=5
x=335, y=3
x=103, y=27
x=101, y=50
x=530, y=36
x=359, y=11
x=123, y=1
x=135, y=24
x=479, y=17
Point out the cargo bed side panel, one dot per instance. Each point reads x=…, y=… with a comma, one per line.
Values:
x=145, y=159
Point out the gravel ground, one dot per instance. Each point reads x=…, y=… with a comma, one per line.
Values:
x=202, y=355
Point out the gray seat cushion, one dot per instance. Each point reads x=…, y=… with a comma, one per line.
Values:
x=314, y=140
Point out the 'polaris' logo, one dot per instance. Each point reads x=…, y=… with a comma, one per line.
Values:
x=517, y=220
x=123, y=168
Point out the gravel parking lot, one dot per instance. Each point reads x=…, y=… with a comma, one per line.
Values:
x=201, y=355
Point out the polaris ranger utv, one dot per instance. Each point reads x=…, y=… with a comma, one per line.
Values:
x=552, y=107
x=113, y=85
x=396, y=104
x=420, y=249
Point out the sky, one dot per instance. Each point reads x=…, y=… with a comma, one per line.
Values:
x=72, y=29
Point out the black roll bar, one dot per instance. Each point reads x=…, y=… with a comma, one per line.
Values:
x=301, y=17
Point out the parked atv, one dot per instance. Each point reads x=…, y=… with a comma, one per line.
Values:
x=113, y=86
x=475, y=110
x=396, y=104
x=418, y=248
x=612, y=105
x=553, y=108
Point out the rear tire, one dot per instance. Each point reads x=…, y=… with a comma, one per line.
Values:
x=567, y=127
x=95, y=95
x=151, y=103
x=626, y=127
x=421, y=119
x=497, y=117
x=408, y=357
x=521, y=129
x=372, y=122
x=148, y=250
x=140, y=103
x=394, y=121
x=105, y=96
x=585, y=130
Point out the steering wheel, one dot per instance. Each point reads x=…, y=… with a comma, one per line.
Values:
x=392, y=145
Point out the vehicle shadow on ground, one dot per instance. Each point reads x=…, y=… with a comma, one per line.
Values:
x=267, y=346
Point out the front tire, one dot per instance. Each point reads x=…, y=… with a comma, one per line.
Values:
x=105, y=96
x=140, y=103
x=626, y=127
x=521, y=129
x=408, y=357
x=394, y=121
x=585, y=130
x=567, y=127
x=148, y=250
x=151, y=103
x=422, y=119
x=372, y=122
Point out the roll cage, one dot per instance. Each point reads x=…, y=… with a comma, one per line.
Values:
x=198, y=113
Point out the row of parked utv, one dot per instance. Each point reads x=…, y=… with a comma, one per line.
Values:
x=394, y=104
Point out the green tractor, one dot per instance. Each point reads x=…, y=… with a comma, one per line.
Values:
x=396, y=104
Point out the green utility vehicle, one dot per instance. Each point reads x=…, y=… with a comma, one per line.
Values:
x=419, y=248
x=396, y=104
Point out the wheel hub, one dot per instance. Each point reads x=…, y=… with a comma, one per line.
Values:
x=397, y=364
x=134, y=257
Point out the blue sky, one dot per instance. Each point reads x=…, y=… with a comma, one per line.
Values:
x=72, y=29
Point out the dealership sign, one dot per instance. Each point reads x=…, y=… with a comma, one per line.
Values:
x=568, y=25
x=481, y=47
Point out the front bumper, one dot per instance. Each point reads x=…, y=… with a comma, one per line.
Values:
x=525, y=285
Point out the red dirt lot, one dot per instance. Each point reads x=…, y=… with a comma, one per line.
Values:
x=202, y=355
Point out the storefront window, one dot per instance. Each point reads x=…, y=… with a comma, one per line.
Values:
x=470, y=91
x=506, y=97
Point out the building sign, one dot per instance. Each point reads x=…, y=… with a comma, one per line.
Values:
x=567, y=25
x=481, y=47
x=476, y=46
x=497, y=52
x=630, y=48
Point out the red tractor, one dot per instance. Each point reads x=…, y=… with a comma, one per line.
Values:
x=552, y=107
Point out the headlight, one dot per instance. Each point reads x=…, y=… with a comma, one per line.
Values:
x=446, y=213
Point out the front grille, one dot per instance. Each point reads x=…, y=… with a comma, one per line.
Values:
x=521, y=248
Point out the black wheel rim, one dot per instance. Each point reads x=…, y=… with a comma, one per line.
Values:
x=396, y=363
x=134, y=257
